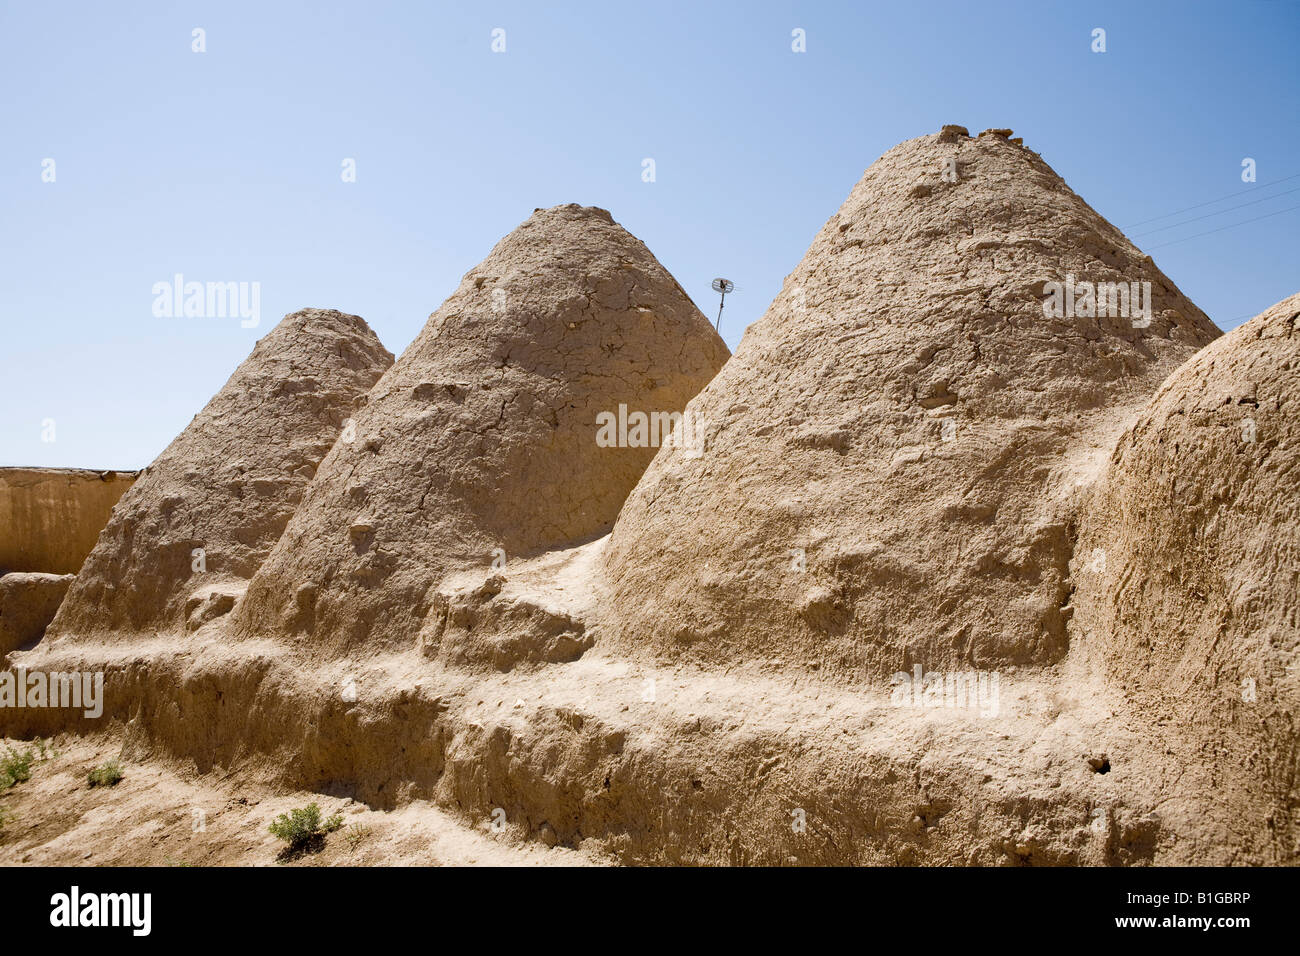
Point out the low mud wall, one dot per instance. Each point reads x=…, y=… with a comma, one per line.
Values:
x=50, y=518
x=667, y=789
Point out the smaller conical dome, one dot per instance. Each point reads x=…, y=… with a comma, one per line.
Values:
x=183, y=541
x=1187, y=571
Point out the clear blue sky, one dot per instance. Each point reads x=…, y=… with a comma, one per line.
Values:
x=225, y=165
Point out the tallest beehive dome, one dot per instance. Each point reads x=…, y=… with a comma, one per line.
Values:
x=892, y=455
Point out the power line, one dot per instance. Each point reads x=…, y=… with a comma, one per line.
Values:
x=1221, y=228
x=1211, y=202
x=1209, y=215
x=1243, y=318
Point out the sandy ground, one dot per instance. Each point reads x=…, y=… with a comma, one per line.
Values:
x=160, y=816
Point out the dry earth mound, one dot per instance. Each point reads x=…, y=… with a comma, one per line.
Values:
x=1188, y=566
x=891, y=455
x=187, y=536
x=484, y=434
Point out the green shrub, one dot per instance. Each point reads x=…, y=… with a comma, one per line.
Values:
x=302, y=825
x=16, y=766
x=106, y=774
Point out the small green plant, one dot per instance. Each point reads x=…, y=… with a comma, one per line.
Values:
x=44, y=751
x=356, y=834
x=16, y=766
x=107, y=774
x=303, y=826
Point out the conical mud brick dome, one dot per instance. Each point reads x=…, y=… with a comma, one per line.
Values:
x=1188, y=565
x=481, y=443
x=184, y=540
x=1189, y=551
x=891, y=457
